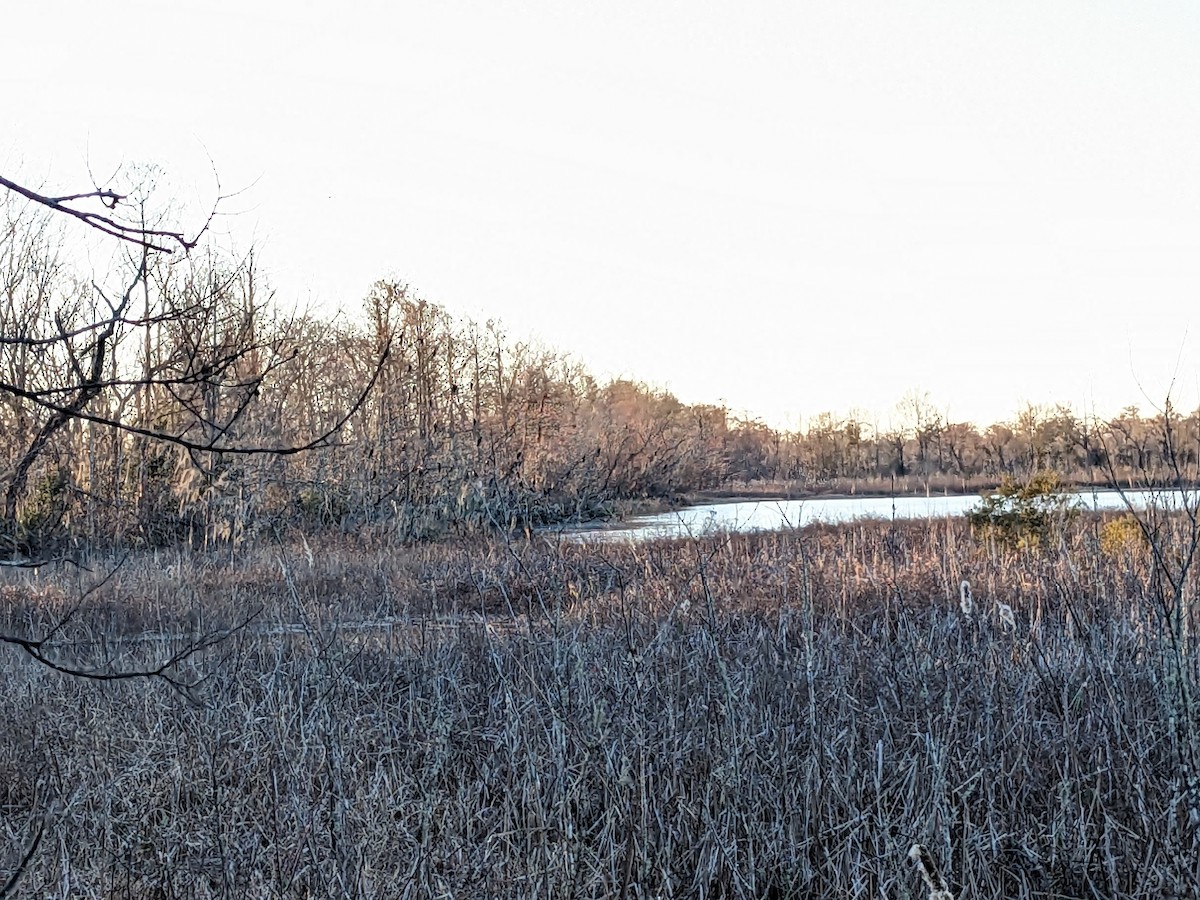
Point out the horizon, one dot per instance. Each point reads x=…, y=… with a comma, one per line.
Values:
x=782, y=211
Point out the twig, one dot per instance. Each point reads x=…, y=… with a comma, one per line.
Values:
x=147, y=238
x=37, y=650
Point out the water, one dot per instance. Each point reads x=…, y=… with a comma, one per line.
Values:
x=774, y=515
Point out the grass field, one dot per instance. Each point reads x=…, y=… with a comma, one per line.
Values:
x=772, y=715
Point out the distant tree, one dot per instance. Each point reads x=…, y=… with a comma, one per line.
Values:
x=750, y=450
x=962, y=446
x=923, y=420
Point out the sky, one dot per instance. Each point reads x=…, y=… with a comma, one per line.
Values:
x=787, y=208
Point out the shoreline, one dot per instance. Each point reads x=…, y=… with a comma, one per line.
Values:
x=697, y=498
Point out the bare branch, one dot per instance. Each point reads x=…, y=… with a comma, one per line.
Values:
x=146, y=238
x=39, y=651
x=35, y=840
x=65, y=335
x=211, y=446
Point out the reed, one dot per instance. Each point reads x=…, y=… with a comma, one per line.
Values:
x=544, y=718
x=1005, y=616
x=966, y=602
x=929, y=873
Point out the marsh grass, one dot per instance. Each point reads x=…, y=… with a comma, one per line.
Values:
x=770, y=715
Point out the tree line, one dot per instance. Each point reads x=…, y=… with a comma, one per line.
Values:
x=176, y=400
x=923, y=449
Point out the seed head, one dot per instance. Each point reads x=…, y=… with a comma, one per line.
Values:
x=965, y=601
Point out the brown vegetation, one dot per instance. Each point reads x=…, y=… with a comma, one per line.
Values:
x=774, y=715
x=167, y=401
x=254, y=704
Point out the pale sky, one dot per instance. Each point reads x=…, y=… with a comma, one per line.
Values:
x=786, y=207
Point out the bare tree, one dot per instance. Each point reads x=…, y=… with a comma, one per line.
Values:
x=181, y=357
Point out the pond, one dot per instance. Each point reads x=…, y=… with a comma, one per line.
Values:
x=774, y=515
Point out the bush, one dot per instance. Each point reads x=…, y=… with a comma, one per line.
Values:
x=1121, y=535
x=1024, y=515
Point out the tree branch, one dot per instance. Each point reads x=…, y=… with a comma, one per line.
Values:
x=38, y=650
x=35, y=840
x=147, y=238
x=211, y=446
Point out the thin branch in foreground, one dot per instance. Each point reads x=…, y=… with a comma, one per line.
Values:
x=38, y=651
x=28, y=563
x=147, y=238
x=213, y=446
x=938, y=890
x=35, y=840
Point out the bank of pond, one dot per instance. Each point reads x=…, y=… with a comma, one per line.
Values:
x=775, y=515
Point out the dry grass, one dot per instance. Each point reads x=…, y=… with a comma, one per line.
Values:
x=765, y=716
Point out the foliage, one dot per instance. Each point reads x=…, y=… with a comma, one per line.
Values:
x=1024, y=514
x=1121, y=535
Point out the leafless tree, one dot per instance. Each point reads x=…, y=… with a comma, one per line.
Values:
x=179, y=358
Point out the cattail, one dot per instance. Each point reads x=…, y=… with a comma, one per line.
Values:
x=965, y=601
x=937, y=885
x=1005, y=614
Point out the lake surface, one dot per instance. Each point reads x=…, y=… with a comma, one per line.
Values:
x=773, y=515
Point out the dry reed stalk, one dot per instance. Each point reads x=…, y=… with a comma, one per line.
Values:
x=473, y=749
x=1005, y=615
x=938, y=890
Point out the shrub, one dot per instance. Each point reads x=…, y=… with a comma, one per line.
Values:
x=1121, y=535
x=1024, y=515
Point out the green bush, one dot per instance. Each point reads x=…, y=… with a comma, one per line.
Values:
x=1024, y=514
